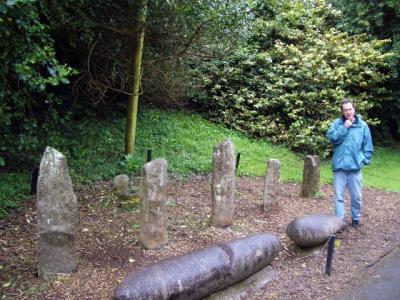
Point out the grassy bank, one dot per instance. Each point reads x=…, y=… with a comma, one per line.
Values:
x=94, y=150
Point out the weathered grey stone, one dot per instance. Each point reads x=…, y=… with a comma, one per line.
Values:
x=57, y=216
x=246, y=288
x=202, y=272
x=223, y=184
x=121, y=185
x=310, y=186
x=272, y=186
x=313, y=230
x=153, y=189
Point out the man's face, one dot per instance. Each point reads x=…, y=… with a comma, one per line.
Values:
x=348, y=111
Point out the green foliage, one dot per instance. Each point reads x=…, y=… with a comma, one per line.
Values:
x=187, y=142
x=379, y=19
x=384, y=172
x=96, y=38
x=14, y=188
x=287, y=84
x=94, y=152
x=94, y=148
x=29, y=67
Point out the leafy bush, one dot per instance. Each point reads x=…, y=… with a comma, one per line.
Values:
x=28, y=68
x=14, y=188
x=379, y=19
x=288, y=83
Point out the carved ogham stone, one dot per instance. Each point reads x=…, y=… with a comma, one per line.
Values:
x=153, y=193
x=57, y=216
x=311, y=176
x=272, y=186
x=223, y=185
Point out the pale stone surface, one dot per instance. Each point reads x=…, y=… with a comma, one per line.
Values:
x=121, y=185
x=244, y=289
x=57, y=216
x=223, y=184
x=153, y=190
x=272, y=186
x=313, y=230
x=311, y=176
x=202, y=272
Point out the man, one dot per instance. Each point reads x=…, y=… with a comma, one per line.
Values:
x=353, y=149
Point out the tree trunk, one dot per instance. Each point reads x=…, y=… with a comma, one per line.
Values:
x=131, y=120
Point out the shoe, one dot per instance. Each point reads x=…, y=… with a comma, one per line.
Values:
x=355, y=224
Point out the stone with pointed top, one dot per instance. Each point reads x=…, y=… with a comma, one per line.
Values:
x=57, y=216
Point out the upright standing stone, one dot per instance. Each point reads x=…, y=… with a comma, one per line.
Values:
x=153, y=190
x=223, y=184
x=272, y=186
x=57, y=216
x=310, y=186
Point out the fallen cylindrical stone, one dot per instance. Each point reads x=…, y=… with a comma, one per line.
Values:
x=313, y=230
x=202, y=272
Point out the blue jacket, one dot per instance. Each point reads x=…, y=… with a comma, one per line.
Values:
x=352, y=146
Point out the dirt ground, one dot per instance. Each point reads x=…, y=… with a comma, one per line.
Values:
x=108, y=247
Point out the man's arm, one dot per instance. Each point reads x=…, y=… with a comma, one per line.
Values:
x=367, y=147
x=337, y=133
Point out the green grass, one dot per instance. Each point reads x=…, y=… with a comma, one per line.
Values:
x=383, y=173
x=94, y=150
x=187, y=142
x=14, y=187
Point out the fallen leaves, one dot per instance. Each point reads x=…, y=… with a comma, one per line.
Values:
x=108, y=247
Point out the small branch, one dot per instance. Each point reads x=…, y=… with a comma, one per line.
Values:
x=118, y=90
x=88, y=60
x=183, y=51
x=259, y=221
x=379, y=258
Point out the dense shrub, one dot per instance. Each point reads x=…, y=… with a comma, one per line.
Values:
x=379, y=19
x=288, y=82
x=28, y=71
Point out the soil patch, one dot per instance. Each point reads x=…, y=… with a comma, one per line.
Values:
x=108, y=247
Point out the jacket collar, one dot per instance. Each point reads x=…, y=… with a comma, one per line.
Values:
x=356, y=123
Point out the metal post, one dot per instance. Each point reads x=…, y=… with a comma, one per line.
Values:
x=237, y=161
x=331, y=247
x=34, y=179
x=148, y=155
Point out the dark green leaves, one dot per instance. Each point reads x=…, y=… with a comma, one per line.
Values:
x=287, y=83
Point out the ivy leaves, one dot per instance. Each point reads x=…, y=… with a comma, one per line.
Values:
x=29, y=66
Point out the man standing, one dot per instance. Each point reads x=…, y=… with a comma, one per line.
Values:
x=353, y=149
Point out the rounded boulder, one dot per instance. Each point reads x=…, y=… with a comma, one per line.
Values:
x=312, y=230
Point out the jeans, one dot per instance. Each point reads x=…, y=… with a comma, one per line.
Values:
x=353, y=181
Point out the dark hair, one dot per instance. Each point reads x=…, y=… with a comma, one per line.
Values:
x=346, y=100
